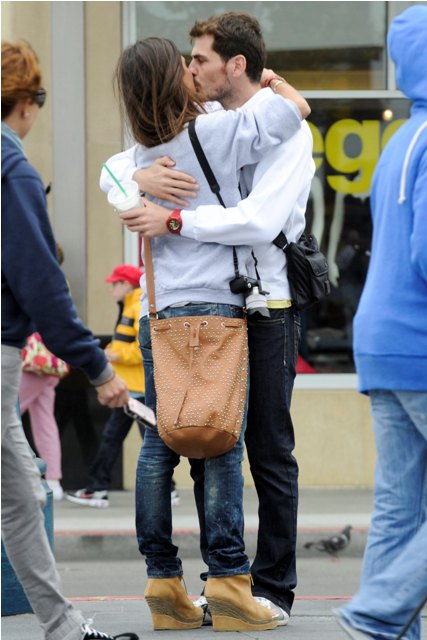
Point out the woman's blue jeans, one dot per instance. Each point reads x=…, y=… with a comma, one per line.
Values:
x=223, y=491
x=394, y=576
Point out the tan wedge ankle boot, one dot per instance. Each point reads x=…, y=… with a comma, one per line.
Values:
x=170, y=606
x=233, y=607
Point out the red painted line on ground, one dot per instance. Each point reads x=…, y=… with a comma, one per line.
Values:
x=101, y=598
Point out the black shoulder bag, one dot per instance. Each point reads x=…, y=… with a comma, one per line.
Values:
x=308, y=271
x=307, y=266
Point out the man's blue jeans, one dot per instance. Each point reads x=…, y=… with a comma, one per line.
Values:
x=273, y=352
x=394, y=576
x=223, y=484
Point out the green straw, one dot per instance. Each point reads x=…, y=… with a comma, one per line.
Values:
x=115, y=179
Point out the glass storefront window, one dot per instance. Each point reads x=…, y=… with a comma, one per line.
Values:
x=349, y=135
x=322, y=47
x=315, y=45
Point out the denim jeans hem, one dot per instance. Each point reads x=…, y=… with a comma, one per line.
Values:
x=364, y=627
x=163, y=574
x=241, y=571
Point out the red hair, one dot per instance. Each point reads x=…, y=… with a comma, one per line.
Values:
x=21, y=74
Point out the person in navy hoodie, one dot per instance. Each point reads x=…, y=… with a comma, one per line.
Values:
x=34, y=294
x=390, y=346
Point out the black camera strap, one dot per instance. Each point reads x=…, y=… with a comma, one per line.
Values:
x=255, y=259
x=210, y=177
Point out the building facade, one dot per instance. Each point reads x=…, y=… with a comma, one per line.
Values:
x=335, y=53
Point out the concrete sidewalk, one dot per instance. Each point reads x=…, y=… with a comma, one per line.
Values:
x=104, y=575
x=311, y=621
x=89, y=533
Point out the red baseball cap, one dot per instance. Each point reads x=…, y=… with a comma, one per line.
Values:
x=126, y=273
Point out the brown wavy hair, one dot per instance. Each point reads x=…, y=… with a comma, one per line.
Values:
x=235, y=33
x=21, y=74
x=153, y=97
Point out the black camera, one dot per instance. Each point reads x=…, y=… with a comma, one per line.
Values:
x=255, y=294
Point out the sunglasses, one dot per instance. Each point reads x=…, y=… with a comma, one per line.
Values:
x=40, y=97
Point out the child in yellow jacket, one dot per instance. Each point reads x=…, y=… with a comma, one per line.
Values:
x=123, y=351
x=124, y=354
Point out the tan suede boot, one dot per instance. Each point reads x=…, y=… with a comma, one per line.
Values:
x=170, y=606
x=233, y=607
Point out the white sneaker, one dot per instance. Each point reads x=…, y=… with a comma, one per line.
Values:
x=175, y=499
x=280, y=614
x=57, y=490
x=97, y=499
x=203, y=604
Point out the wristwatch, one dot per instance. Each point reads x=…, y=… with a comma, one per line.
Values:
x=174, y=222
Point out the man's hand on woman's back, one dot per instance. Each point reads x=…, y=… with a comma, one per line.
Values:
x=164, y=182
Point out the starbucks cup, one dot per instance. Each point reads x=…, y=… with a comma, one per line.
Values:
x=121, y=202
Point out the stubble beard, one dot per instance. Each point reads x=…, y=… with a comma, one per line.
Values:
x=223, y=94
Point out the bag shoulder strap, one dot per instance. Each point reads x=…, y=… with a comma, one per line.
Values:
x=149, y=278
x=281, y=241
x=203, y=161
x=210, y=177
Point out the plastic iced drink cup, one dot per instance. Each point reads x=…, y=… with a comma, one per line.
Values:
x=119, y=201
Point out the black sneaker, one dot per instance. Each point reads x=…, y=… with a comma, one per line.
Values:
x=92, y=634
x=89, y=498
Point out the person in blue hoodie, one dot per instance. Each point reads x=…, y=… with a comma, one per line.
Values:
x=34, y=294
x=390, y=347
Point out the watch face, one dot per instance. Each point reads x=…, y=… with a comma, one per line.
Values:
x=174, y=224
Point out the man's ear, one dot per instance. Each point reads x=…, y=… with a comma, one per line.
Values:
x=237, y=66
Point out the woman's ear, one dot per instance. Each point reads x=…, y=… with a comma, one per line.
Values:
x=23, y=107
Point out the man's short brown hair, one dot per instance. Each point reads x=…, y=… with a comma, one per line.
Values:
x=235, y=34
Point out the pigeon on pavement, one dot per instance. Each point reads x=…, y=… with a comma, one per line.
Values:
x=334, y=544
